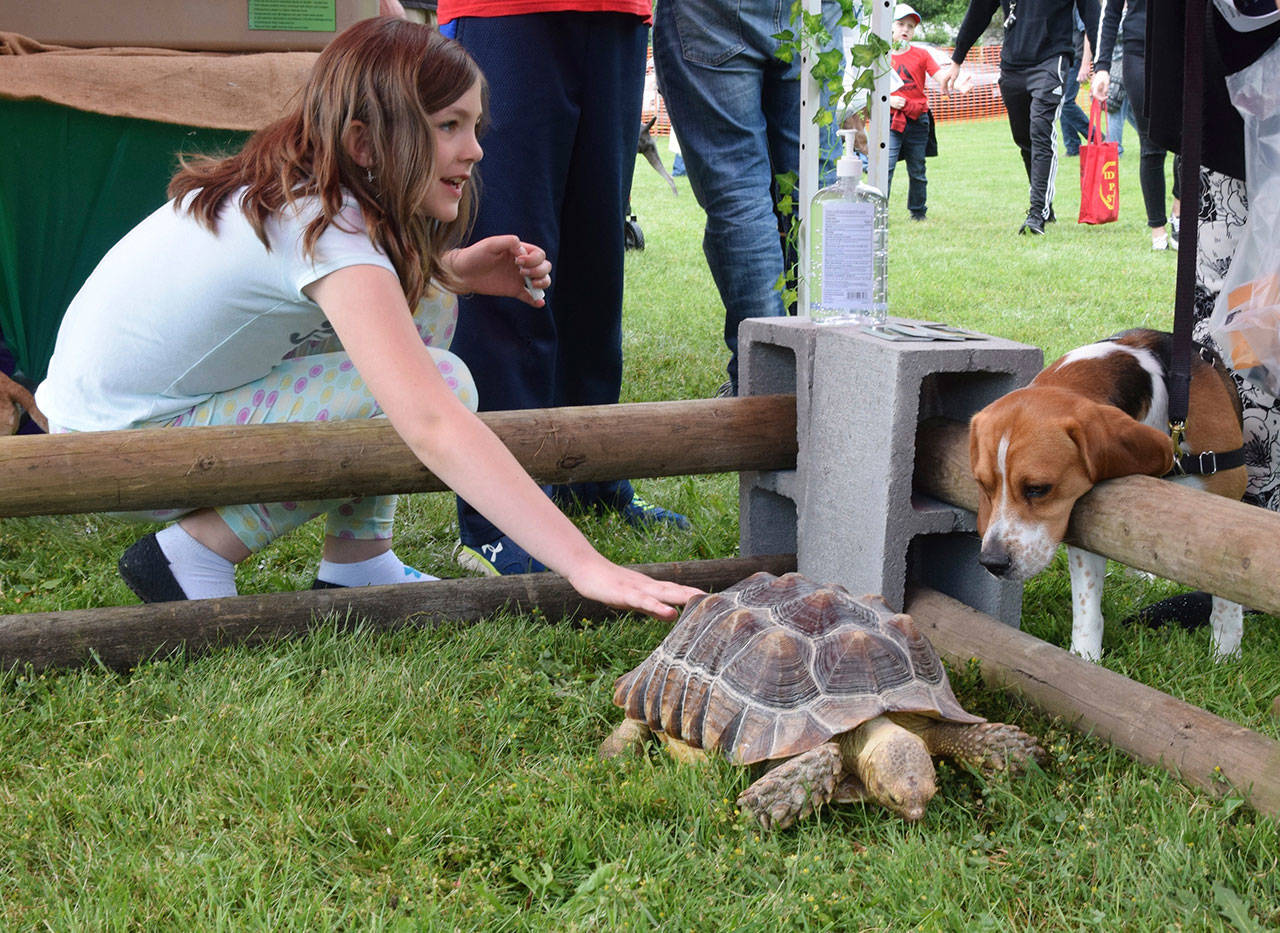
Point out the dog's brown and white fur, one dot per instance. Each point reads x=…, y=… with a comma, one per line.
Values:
x=1099, y=412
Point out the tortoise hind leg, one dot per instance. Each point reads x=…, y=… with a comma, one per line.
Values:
x=682, y=752
x=794, y=788
x=630, y=737
x=986, y=746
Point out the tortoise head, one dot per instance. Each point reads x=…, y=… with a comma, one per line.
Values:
x=895, y=767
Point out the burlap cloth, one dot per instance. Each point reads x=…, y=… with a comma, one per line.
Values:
x=209, y=89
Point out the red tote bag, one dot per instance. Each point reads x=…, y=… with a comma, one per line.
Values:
x=1099, y=173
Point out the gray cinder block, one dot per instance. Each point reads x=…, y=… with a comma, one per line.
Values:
x=848, y=509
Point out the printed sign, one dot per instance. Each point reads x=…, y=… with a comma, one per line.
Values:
x=294, y=15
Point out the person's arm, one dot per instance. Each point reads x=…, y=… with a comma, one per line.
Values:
x=498, y=265
x=368, y=312
x=13, y=393
x=1107, y=33
x=1091, y=15
x=975, y=21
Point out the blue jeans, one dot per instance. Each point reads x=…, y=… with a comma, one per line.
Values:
x=565, y=91
x=736, y=108
x=909, y=146
x=1074, y=121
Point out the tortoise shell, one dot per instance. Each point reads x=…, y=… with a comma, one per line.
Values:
x=774, y=666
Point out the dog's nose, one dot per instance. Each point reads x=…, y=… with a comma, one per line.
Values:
x=996, y=559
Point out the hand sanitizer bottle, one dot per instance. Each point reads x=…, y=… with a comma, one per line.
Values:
x=848, y=246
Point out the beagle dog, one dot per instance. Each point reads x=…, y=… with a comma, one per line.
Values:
x=1099, y=412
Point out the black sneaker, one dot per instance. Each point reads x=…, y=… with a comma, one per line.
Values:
x=146, y=571
x=1033, y=225
x=1189, y=611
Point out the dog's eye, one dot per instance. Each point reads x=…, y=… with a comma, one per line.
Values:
x=1036, y=492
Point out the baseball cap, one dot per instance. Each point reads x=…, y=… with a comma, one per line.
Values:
x=903, y=10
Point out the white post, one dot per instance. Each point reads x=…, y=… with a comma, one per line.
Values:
x=878, y=125
x=877, y=134
x=807, y=184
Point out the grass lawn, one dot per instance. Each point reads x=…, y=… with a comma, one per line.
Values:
x=447, y=779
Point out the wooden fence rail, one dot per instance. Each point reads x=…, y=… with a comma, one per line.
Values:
x=191, y=467
x=120, y=637
x=1203, y=750
x=1195, y=538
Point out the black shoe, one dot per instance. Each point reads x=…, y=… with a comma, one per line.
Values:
x=1033, y=225
x=146, y=571
x=1188, y=610
x=318, y=584
x=1052, y=218
x=918, y=215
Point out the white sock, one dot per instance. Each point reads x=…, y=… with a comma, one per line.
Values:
x=202, y=573
x=376, y=571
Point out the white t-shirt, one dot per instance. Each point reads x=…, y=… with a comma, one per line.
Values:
x=174, y=313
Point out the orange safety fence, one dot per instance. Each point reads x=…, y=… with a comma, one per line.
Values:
x=979, y=102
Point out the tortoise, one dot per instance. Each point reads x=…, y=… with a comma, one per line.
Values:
x=844, y=697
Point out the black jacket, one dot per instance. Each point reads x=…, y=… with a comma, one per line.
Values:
x=1226, y=52
x=1042, y=29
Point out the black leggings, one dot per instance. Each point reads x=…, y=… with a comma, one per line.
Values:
x=1151, y=156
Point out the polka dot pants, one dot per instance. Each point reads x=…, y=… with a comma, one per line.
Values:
x=319, y=383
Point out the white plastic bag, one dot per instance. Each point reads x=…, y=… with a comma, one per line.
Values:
x=1245, y=323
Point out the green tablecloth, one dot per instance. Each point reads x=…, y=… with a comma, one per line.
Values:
x=71, y=184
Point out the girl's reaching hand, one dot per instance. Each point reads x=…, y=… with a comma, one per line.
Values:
x=621, y=588
x=499, y=265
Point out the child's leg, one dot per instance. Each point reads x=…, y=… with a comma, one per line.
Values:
x=314, y=388
x=320, y=387
x=913, y=150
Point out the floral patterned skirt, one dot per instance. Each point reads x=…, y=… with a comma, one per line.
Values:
x=1224, y=208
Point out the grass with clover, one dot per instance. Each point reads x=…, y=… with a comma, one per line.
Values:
x=447, y=779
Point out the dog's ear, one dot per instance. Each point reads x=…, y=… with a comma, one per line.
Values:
x=984, y=502
x=1113, y=444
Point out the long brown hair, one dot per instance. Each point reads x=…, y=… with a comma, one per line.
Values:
x=390, y=75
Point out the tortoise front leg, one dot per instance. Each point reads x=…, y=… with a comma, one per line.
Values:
x=794, y=788
x=987, y=746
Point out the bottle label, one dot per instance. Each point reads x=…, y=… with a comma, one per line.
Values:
x=848, y=273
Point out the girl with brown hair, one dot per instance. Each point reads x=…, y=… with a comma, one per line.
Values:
x=277, y=286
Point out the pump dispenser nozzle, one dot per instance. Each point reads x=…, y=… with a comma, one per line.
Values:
x=849, y=165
